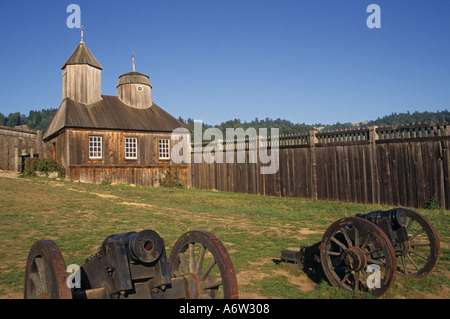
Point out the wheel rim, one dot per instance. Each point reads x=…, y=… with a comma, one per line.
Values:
x=356, y=255
x=420, y=255
x=203, y=261
x=46, y=273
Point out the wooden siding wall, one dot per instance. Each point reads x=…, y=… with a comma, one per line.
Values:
x=147, y=169
x=58, y=149
x=137, y=175
x=394, y=171
x=82, y=83
x=114, y=147
x=130, y=95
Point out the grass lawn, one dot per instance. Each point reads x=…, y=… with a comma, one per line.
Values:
x=253, y=228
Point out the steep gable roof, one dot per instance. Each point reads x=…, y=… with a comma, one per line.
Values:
x=110, y=114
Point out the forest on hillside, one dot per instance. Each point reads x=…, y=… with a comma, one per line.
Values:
x=40, y=120
x=36, y=120
x=288, y=127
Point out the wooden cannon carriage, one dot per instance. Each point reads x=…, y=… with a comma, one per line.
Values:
x=364, y=253
x=135, y=265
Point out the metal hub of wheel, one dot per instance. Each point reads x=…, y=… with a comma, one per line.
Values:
x=405, y=248
x=203, y=261
x=349, y=247
x=193, y=285
x=354, y=258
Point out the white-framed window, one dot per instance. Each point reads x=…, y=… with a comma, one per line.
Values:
x=163, y=149
x=131, y=148
x=95, y=147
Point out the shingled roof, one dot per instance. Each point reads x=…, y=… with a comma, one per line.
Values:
x=82, y=55
x=134, y=77
x=110, y=114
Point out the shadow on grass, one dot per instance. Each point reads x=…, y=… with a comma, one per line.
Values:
x=314, y=273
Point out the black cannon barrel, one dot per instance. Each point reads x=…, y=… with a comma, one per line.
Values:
x=396, y=216
x=145, y=246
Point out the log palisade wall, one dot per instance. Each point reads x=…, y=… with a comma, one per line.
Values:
x=15, y=140
x=401, y=166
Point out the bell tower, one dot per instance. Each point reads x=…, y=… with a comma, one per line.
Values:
x=82, y=76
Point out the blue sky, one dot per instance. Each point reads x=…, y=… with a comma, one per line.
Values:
x=307, y=61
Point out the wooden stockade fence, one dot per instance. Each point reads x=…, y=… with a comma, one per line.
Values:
x=402, y=166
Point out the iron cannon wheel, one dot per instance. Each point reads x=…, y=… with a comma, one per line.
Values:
x=420, y=255
x=203, y=261
x=351, y=250
x=46, y=273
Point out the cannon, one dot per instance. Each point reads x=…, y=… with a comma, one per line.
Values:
x=365, y=252
x=134, y=265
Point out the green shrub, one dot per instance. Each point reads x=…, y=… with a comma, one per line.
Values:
x=171, y=179
x=44, y=165
x=433, y=203
x=31, y=166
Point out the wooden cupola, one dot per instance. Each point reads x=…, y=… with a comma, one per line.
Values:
x=134, y=89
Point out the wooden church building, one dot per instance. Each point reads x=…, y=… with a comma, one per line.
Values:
x=118, y=139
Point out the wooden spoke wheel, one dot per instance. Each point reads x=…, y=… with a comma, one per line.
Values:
x=203, y=261
x=420, y=254
x=46, y=273
x=356, y=255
